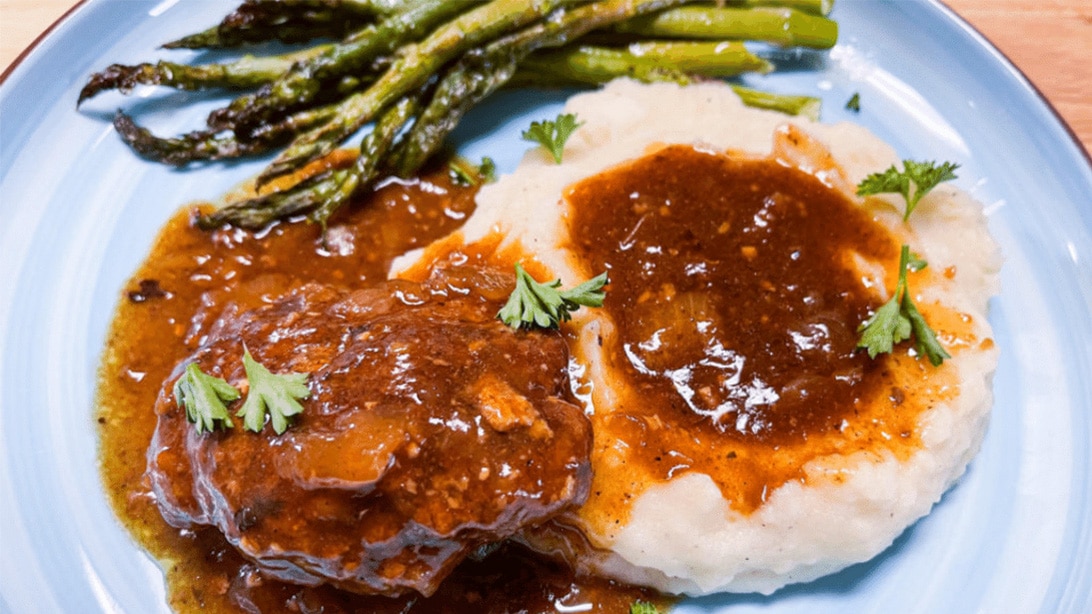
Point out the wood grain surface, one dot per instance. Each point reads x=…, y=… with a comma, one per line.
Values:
x=1049, y=40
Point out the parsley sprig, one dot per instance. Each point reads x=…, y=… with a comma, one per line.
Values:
x=899, y=318
x=465, y=173
x=205, y=397
x=276, y=394
x=538, y=304
x=922, y=176
x=854, y=102
x=643, y=607
x=553, y=134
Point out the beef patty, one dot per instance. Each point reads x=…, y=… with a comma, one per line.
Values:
x=431, y=430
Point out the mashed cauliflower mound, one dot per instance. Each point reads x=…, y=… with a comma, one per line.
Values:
x=681, y=536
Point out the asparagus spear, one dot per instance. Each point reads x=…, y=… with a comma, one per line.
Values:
x=363, y=8
x=482, y=72
x=780, y=26
x=197, y=145
x=475, y=76
x=415, y=64
x=360, y=8
x=247, y=72
x=257, y=213
x=372, y=150
x=815, y=7
x=305, y=82
x=424, y=58
x=676, y=62
x=460, y=52
x=266, y=20
x=258, y=21
x=212, y=144
x=325, y=193
x=805, y=106
x=209, y=144
x=660, y=61
x=229, y=36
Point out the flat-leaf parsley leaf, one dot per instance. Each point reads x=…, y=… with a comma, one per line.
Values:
x=278, y=394
x=203, y=397
x=541, y=304
x=897, y=319
x=643, y=607
x=464, y=173
x=854, y=102
x=923, y=175
x=553, y=134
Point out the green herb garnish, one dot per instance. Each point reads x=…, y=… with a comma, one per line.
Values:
x=534, y=304
x=278, y=394
x=553, y=134
x=464, y=173
x=203, y=397
x=854, y=103
x=923, y=175
x=897, y=319
x=488, y=169
x=915, y=263
x=643, y=607
x=460, y=175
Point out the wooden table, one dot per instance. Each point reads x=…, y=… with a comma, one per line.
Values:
x=1049, y=40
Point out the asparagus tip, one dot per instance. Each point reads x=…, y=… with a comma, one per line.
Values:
x=114, y=77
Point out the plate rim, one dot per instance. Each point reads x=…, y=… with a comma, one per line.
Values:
x=30, y=54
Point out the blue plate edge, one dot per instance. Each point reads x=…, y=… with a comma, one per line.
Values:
x=980, y=39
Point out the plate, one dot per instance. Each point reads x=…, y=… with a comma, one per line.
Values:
x=79, y=211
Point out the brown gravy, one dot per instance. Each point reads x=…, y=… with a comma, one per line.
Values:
x=735, y=307
x=164, y=314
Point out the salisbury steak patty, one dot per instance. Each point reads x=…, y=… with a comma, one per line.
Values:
x=431, y=429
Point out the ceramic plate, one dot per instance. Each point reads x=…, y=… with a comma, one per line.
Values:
x=78, y=212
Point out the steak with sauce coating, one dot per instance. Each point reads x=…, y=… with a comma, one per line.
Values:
x=431, y=429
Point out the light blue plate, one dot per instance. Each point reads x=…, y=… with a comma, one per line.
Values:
x=78, y=212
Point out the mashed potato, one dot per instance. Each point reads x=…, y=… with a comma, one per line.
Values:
x=684, y=534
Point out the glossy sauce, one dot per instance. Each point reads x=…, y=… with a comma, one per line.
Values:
x=189, y=278
x=735, y=299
